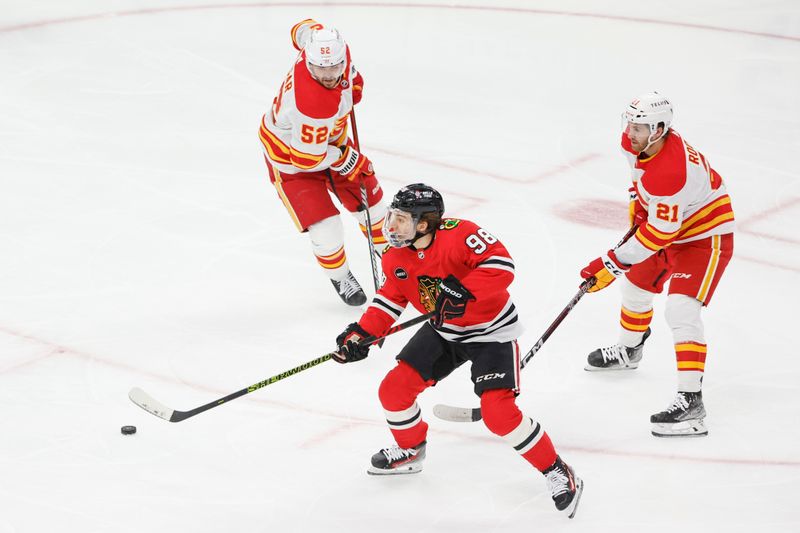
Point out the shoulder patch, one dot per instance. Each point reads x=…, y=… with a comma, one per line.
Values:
x=665, y=174
x=312, y=99
x=449, y=223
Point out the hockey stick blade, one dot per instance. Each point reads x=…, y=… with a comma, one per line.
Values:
x=457, y=414
x=150, y=404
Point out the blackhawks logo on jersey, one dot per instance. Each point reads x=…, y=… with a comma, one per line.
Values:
x=428, y=288
x=449, y=223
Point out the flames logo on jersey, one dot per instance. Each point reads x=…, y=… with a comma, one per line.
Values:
x=428, y=288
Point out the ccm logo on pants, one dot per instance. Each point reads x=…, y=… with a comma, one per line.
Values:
x=487, y=377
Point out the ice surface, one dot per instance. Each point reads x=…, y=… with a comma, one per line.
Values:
x=142, y=245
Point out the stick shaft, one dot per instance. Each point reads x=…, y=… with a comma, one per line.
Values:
x=153, y=406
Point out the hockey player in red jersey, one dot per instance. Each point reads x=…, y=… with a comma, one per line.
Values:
x=684, y=237
x=309, y=155
x=462, y=272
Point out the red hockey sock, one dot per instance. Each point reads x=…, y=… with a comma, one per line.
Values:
x=502, y=416
x=398, y=394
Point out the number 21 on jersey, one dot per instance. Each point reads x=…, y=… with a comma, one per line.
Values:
x=667, y=213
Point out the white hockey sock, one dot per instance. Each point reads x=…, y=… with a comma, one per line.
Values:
x=327, y=242
x=636, y=313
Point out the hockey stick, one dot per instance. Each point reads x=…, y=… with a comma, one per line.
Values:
x=365, y=204
x=154, y=407
x=467, y=414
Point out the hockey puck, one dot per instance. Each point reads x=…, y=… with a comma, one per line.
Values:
x=128, y=430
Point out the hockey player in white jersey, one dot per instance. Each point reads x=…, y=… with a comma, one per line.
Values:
x=684, y=238
x=309, y=155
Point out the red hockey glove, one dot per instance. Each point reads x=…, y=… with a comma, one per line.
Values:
x=451, y=302
x=604, y=270
x=358, y=88
x=352, y=164
x=349, y=350
x=637, y=214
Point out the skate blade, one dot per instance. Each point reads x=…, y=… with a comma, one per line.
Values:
x=572, y=508
x=590, y=368
x=689, y=428
x=410, y=469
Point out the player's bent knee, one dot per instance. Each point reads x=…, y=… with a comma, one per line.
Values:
x=499, y=411
x=683, y=316
x=400, y=387
x=635, y=299
x=327, y=233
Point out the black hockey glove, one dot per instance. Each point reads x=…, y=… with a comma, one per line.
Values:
x=347, y=343
x=451, y=301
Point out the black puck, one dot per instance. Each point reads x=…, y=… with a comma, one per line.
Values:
x=128, y=430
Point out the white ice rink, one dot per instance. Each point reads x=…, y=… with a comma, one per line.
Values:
x=141, y=244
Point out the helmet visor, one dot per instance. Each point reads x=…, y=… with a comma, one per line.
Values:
x=399, y=228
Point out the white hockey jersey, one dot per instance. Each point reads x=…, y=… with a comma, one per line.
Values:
x=307, y=122
x=684, y=197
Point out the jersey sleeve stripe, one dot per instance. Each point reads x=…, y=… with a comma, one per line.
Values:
x=647, y=243
x=387, y=306
x=306, y=161
x=660, y=235
x=276, y=149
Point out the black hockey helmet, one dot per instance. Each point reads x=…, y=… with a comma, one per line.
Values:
x=423, y=203
x=418, y=199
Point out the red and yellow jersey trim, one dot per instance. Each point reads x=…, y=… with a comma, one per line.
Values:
x=706, y=219
x=652, y=239
x=305, y=161
x=715, y=214
x=277, y=150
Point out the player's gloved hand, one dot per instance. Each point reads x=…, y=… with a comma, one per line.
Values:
x=637, y=215
x=604, y=270
x=348, y=348
x=352, y=164
x=358, y=88
x=451, y=301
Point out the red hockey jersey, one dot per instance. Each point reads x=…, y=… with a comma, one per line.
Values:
x=471, y=254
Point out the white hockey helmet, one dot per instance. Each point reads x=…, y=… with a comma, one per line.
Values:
x=325, y=48
x=651, y=109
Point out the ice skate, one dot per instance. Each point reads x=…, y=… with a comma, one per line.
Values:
x=397, y=460
x=565, y=487
x=616, y=357
x=684, y=418
x=350, y=291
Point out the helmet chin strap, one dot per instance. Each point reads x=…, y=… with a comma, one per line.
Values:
x=419, y=234
x=651, y=141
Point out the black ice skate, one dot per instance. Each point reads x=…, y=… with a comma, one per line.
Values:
x=616, y=357
x=565, y=486
x=684, y=418
x=397, y=460
x=350, y=291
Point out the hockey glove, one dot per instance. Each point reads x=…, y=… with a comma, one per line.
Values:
x=352, y=164
x=604, y=270
x=637, y=214
x=349, y=350
x=451, y=302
